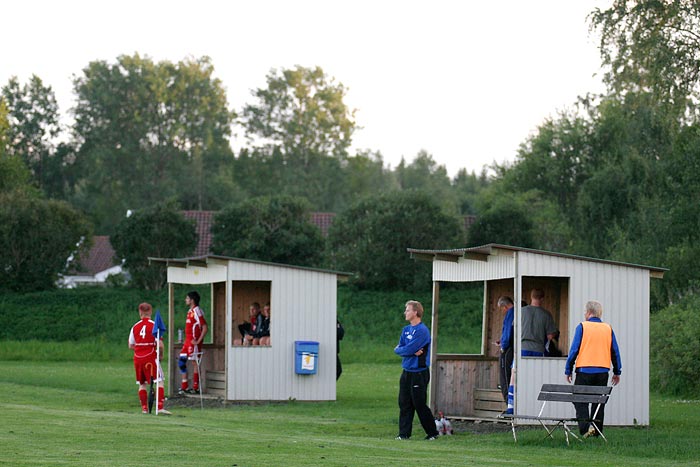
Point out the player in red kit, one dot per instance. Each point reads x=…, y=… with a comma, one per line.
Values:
x=143, y=343
x=195, y=330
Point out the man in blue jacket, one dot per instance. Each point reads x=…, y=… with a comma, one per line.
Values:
x=593, y=349
x=414, y=347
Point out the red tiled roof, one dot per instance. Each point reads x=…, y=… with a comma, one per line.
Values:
x=203, y=221
x=99, y=258
x=468, y=221
x=323, y=221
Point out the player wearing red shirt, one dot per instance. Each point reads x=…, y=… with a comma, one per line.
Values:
x=195, y=330
x=143, y=343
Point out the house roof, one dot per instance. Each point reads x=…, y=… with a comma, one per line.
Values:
x=99, y=258
x=481, y=252
x=203, y=221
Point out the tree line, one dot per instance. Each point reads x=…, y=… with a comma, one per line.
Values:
x=616, y=175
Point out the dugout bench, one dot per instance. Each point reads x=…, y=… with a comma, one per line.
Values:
x=565, y=393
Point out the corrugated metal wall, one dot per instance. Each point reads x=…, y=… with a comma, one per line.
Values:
x=497, y=267
x=303, y=307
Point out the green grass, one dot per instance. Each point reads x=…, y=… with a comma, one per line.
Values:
x=87, y=414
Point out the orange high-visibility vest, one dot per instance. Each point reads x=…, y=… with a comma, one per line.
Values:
x=595, y=345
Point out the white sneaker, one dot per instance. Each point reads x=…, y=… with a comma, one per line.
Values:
x=164, y=412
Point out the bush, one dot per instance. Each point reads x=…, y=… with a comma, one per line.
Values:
x=675, y=348
x=37, y=238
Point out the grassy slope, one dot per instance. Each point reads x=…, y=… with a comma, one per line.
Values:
x=87, y=414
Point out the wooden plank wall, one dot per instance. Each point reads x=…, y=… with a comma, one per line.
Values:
x=244, y=294
x=456, y=378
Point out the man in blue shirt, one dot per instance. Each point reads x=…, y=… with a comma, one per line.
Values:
x=505, y=304
x=414, y=347
x=593, y=349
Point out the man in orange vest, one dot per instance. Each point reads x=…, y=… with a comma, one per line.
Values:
x=593, y=349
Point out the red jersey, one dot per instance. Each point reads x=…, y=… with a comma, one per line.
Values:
x=193, y=324
x=141, y=338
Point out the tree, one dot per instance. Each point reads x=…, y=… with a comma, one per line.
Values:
x=14, y=175
x=37, y=237
x=555, y=161
x=371, y=238
x=424, y=174
x=651, y=46
x=302, y=112
x=32, y=128
x=160, y=231
x=4, y=129
x=150, y=131
x=269, y=228
x=675, y=348
x=468, y=187
x=504, y=223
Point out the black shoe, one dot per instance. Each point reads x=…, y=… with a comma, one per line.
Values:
x=402, y=438
x=191, y=391
x=432, y=437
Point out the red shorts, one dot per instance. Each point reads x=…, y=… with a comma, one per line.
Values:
x=188, y=349
x=145, y=370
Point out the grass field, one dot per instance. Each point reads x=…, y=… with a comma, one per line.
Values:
x=87, y=414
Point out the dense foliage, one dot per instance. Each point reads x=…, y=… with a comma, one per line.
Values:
x=37, y=237
x=159, y=231
x=149, y=131
x=675, y=348
x=372, y=236
x=276, y=229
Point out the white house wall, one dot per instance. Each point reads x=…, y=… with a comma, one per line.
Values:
x=624, y=293
x=303, y=308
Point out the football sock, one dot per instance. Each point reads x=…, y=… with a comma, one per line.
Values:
x=511, y=397
x=143, y=397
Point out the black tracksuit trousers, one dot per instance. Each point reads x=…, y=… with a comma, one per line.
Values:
x=413, y=394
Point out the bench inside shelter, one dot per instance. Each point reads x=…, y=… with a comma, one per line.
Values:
x=565, y=393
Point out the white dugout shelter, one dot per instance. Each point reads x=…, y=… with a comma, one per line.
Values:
x=303, y=308
x=465, y=385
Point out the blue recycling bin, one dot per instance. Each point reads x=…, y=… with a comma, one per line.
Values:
x=305, y=357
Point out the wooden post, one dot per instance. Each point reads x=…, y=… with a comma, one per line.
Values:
x=172, y=360
x=434, y=344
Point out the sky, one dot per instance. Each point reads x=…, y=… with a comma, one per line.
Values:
x=467, y=81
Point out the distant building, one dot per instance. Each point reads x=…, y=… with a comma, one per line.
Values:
x=93, y=267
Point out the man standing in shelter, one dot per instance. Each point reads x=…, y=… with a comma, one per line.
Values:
x=142, y=341
x=536, y=328
x=593, y=348
x=414, y=347
x=195, y=330
x=505, y=304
